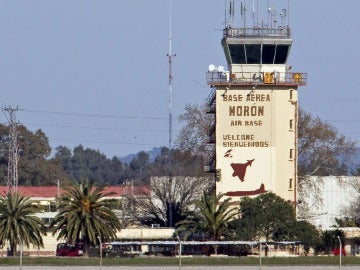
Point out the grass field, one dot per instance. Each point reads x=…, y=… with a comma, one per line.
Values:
x=163, y=261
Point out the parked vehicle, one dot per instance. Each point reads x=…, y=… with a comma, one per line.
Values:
x=70, y=250
x=118, y=249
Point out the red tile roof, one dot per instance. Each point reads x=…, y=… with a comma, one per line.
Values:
x=52, y=191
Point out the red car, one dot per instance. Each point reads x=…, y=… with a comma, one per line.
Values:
x=336, y=252
x=70, y=250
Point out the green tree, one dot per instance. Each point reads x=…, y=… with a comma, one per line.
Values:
x=18, y=224
x=330, y=241
x=85, y=215
x=114, y=172
x=64, y=155
x=34, y=167
x=307, y=234
x=90, y=164
x=265, y=216
x=140, y=165
x=210, y=217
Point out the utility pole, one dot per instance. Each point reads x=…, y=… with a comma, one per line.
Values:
x=13, y=158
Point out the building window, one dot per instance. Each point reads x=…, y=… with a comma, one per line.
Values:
x=291, y=154
x=291, y=124
x=291, y=94
x=291, y=184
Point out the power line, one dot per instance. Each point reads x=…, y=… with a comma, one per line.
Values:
x=103, y=142
x=96, y=128
x=95, y=115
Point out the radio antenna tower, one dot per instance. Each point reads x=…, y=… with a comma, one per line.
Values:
x=170, y=56
x=13, y=159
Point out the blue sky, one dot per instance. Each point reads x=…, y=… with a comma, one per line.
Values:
x=96, y=72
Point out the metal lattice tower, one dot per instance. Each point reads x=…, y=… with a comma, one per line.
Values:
x=170, y=56
x=13, y=158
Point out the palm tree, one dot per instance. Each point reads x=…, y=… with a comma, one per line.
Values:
x=211, y=216
x=18, y=224
x=85, y=215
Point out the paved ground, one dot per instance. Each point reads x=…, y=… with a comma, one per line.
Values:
x=182, y=268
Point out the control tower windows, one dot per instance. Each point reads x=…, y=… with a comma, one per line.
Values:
x=268, y=54
x=253, y=53
x=281, y=54
x=258, y=53
x=237, y=53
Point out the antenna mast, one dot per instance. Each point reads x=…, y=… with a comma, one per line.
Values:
x=253, y=12
x=243, y=12
x=13, y=159
x=170, y=57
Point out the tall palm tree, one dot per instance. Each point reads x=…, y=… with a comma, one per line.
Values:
x=18, y=224
x=211, y=216
x=85, y=215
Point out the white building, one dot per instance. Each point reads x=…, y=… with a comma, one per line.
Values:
x=327, y=198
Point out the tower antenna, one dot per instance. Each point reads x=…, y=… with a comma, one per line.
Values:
x=225, y=18
x=269, y=14
x=13, y=158
x=243, y=12
x=170, y=57
x=253, y=12
x=257, y=12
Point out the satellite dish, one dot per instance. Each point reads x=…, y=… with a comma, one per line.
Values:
x=212, y=68
x=221, y=69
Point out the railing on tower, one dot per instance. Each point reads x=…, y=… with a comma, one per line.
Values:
x=258, y=78
x=282, y=31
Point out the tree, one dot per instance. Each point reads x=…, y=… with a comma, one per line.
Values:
x=307, y=234
x=265, y=216
x=322, y=150
x=18, y=224
x=269, y=216
x=34, y=168
x=64, y=155
x=177, y=162
x=211, y=216
x=169, y=198
x=351, y=212
x=90, y=164
x=114, y=171
x=193, y=135
x=85, y=215
x=140, y=164
x=330, y=241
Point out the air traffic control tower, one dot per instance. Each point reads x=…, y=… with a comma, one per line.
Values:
x=255, y=107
